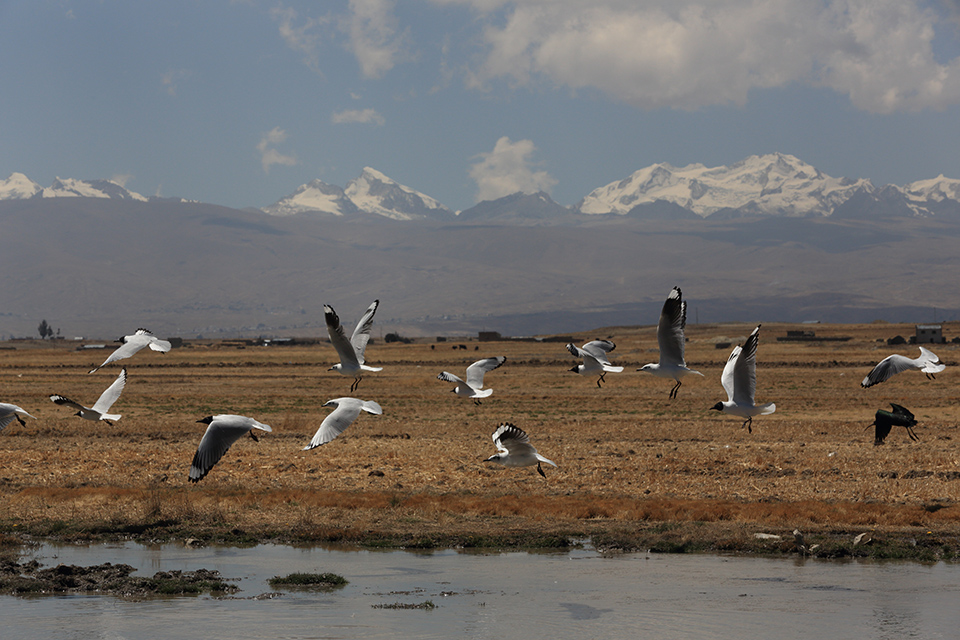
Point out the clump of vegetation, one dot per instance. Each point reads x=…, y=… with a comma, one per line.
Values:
x=308, y=581
x=106, y=579
x=426, y=605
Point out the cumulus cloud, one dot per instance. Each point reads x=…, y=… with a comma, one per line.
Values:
x=507, y=169
x=269, y=156
x=689, y=54
x=361, y=116
x=374, y=37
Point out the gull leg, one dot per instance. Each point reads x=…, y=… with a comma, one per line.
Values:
x=476, y=401
x=747, y=423
x=255, y=438
x=601, y=378
x=20, y=420
x=675, y=389
x=540, y=471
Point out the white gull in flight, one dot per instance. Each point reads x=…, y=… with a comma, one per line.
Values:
x=351, y=351
x=473, y=386
x=11, y=412
x=347, y=410
x=739, y=380
x=595, y=361
x=928, y=363
x=133, y=343
x=515, y=449
x=673, y=319
x=222, y=431
x=99, y=410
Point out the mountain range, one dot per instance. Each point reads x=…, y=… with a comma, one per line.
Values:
x=767, y=239
x=761, y=185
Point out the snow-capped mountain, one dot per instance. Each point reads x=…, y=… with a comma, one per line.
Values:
x=370, y=192
x=772, y=184
x=20, y=187
x=314, y=197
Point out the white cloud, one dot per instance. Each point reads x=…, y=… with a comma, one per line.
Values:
x=301, y=34
x=507, y=170
x=693, y=53
x=362, y=116
x=372, y=29
x=270, y=156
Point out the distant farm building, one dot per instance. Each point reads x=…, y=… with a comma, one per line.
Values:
x=489, y=336
x=929, y=333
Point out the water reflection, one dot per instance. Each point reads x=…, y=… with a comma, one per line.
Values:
x=511, y=595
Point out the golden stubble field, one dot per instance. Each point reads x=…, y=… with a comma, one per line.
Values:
x=628, y=456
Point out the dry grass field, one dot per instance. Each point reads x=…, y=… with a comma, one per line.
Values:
x=635, y=468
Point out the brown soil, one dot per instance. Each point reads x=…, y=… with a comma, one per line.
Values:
x=636, y=469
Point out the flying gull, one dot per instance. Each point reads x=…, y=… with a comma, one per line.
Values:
x=673, y=319
x=473, y=386
x=222, y=431
x=514, y=449
x=885, y=420
x=345, y=412
x=928, y=363
x=594, y=354
x=131, y=344
x=351, y=351
x=99, y=410
x=739, y=380
x=9, y=412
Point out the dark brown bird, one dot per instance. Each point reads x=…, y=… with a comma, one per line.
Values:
x=899, y=417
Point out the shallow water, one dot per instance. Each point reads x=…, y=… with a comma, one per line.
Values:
x=503, y=595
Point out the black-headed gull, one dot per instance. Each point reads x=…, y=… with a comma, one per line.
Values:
x=595, y=361
x=739, y=380
x=515, y=449
x=473, y=386
x=11, y=412
x=673, y=319
x=133, y=343
x=351, y=351
x=99, y=410
x=883, y=421
x=928, y=363
x=346, y=411
x=222, y=431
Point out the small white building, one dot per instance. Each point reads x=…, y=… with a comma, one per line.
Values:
x=929, y=333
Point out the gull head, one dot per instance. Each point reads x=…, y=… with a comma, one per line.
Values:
x=717, y=407
x=335, y=367
x=646, y=367
x=206, y=420
x=576, y=369
x=497, y=457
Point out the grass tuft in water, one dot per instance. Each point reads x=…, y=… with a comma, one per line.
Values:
x=308, y=581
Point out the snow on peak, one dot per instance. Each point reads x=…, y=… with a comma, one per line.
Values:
x=939, y=188
x=18, y=187
x=374, y=192
x=316, y=197
x=773, y=183
x=72, y=188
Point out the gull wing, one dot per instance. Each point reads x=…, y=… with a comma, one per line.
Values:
x=7, y=419
x=745, y=371
x=348, y=356
x=928, y=361
x=108, y=397
x=599, y=349
x=131, y=345
x=361, y=335
x=512, y=440
x=215, y=442
x=446, y=376
x=726, y=378
x=673, y=320
x=477, y=369
x=887, y=368
x=67, y=402
x=347, y=410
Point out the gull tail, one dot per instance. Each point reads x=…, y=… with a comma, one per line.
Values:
x=766, y=409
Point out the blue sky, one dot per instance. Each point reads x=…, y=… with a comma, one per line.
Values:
x=238, y=103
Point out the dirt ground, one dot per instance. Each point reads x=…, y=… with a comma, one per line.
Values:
x=632, y=462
